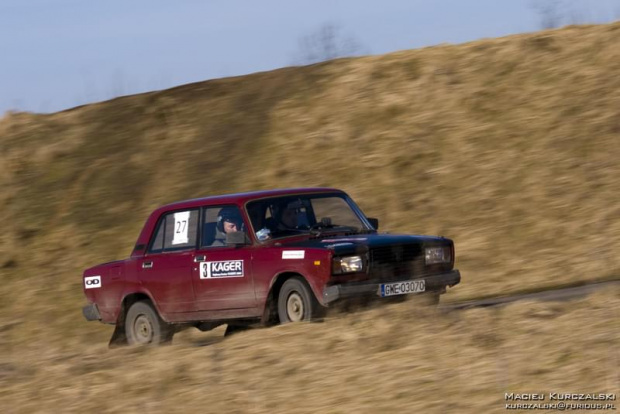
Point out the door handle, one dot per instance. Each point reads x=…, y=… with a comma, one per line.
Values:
x=200, y=258
x=147, y=265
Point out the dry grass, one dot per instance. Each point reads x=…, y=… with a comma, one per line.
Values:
x=509, y=146
x=397, y=358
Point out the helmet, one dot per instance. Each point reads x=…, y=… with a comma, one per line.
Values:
x=290, y=210
x=230, y=214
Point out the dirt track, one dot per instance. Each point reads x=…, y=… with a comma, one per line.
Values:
x=392, y=359
x=547, y=295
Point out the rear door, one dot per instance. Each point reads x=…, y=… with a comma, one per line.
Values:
x=166, y=268
x=222, y=275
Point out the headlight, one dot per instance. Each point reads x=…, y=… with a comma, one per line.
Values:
x=434, y=255
x=350, y=264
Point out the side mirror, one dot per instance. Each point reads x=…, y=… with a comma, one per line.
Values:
x=236, y=238
x=374, y=222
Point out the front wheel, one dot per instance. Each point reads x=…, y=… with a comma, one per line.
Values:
x=143, y=326
x=297, y=303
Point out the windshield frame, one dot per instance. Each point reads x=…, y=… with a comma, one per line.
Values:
x=352, y=205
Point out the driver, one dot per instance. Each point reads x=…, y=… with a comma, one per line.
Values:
x=288, y=218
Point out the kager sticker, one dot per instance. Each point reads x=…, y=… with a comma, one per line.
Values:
x=226, y=268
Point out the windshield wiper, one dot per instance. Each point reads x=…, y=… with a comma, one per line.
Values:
x=318, y=229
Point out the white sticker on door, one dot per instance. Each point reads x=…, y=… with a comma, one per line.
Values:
x=293, y=254
x=226, y=268
x=92, y=282
x=181, y=228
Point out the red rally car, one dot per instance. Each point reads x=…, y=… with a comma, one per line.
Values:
x=259, y=257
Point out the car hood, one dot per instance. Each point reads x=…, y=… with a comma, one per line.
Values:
x=361, y=243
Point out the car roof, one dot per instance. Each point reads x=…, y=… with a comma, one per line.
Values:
x=242, y=198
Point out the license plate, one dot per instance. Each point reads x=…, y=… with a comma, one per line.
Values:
x=402, y=288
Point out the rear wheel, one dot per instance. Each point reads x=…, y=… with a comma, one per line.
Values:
x=297, y=303
x=143, y=326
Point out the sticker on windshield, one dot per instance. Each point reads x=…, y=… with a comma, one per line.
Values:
x=181, y=227
x=227, y=268
x=293, y=254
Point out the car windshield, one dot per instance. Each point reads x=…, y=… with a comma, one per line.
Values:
x=285, y=216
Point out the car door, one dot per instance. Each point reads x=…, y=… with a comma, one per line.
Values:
x=166, y=268
x=222, y=275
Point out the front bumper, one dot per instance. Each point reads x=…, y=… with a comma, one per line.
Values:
x=349, y=290
x=91, y=312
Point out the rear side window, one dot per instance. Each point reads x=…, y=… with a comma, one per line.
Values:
x=176, y=231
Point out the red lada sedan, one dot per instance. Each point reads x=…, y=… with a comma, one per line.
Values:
x=259, y=257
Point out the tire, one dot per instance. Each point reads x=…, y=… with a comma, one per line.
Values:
x=296, y=302
x=143, y=326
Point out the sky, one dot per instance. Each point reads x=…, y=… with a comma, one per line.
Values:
x=57, y=54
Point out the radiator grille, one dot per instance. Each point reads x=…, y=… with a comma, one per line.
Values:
x=401, y=262
x=396, y=262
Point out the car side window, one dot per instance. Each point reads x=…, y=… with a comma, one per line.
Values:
x=216, y=221
x=176, y=231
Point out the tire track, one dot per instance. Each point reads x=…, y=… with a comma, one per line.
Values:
x=547, y=295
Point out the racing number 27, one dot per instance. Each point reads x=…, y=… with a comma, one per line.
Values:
x=181, y=225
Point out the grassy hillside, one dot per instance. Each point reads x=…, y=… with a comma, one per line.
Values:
x=509, y=146
x=378, y=361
